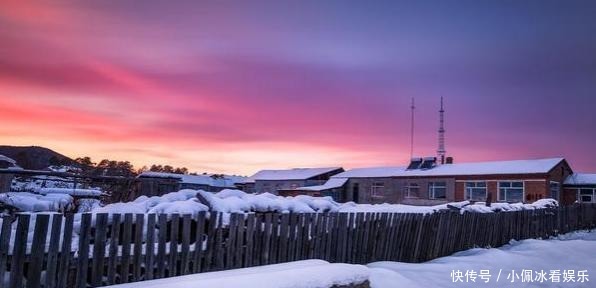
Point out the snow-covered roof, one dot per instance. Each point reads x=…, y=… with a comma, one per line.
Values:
x=70, y=191
x=581, y=179
x=6, y=159
x=537, y=166
x=290, y=174
x=204, y=179
x=330, y=184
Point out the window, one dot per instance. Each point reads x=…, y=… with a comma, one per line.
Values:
x=587, y=195
x=412, y=190
x=377, y=189
x=475, y=191
x=555, y=190
x=437, y=190
x=512, y=191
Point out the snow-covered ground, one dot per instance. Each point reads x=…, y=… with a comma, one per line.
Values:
x=550, y=262
x=556, y=258
x=299, y=274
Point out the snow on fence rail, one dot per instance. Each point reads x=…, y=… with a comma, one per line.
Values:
x=116, y=248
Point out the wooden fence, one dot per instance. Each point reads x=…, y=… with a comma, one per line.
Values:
x=114, y=249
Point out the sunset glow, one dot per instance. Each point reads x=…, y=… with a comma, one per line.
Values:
x=237, y=87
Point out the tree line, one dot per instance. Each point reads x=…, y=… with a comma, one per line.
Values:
x=107, y=167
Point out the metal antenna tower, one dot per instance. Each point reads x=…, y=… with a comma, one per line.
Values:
x=412, y=131
x=441, y=151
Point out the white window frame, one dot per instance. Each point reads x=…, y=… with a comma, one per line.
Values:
x=512, y=188
x=468, y=194
x=432, y=186
x=409, y=186
x=593, y=196
x=377, y=189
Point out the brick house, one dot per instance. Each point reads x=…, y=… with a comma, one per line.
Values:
x=287, y=180
x=425, y=183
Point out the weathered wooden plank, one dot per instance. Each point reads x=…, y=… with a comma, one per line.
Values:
x=5, y=233
x=185, y=247
x=308, y=235
x=173, y=256
x=293, y=224
x=53, y=249
x=250, y=228
x=240, y=242
x=273, y=255
x=364, y=238
x=342, y=224
x=38, y=245
x=208, y=262
x=113, y=251
x=318, y=236
x=65, y=252
x=284, y=240
x=126, y=245
x=161, y=246
x=138, y=247
x=372, y=237
x=83, y=253
x=386, y=254
x=266, y=240
x=299, y=239
x=329, y=227
x=199, y=238
x=150, y=247
x=358, y=240
x=99, y=249
x=231, y=241
x=19, y=251
x=219, y=249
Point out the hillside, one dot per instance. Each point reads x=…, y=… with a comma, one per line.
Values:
x=34, y=157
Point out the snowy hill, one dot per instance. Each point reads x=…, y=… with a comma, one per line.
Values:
x=35, y=157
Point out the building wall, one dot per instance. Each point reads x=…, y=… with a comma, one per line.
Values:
x=5, y=181
x=155, y=186
x=536, y=186
x=569, y=195
x=364, y=187
x=394, y=190
x=272, y=186
x=423, y=196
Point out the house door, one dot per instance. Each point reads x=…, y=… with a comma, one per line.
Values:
x=355, y=193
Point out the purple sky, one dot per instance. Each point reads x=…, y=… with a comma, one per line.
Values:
x=238, y=86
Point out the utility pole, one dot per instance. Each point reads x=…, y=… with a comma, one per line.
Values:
x=441, y=151
x=412, y=130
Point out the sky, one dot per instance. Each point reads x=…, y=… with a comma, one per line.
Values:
x=238, y=86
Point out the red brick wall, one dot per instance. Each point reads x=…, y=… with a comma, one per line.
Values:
x=492, y=190
x=569, y=196
x=536, y=190
x=459, y=191
x=535, y=187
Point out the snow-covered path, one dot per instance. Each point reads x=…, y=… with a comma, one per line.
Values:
x=573, y=251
